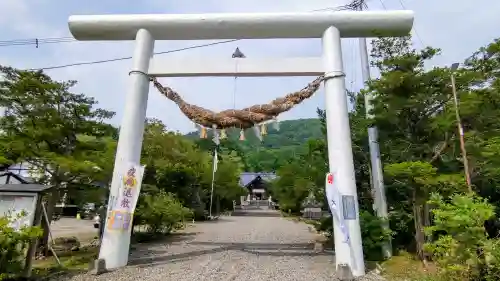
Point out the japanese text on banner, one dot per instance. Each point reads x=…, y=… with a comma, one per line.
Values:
x=126, y=201
x=130, y=188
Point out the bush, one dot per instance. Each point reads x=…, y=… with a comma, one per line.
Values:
x=460, y=247
x=161, y=213
x=372, y=233
x=13, y=245
x=325, y=225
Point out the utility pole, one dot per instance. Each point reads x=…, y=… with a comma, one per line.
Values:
x=377, y=176
x=459, y=126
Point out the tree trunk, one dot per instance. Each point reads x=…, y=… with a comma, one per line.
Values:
x=103, y=212
x=217, y=206
x=419, y=229
x=427, y=219
x=198, y=205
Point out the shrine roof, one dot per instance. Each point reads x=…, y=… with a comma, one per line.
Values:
x=247, y=177
x=31, y=188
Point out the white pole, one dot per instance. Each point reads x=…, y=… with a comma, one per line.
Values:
x=213, y=180
x=380, y=200
x=461, y=132
x=340, y=156
x=115, y=244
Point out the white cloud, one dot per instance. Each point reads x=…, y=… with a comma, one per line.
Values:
x=457, y=27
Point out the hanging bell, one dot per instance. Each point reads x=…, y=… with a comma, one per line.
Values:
x=242, y=135
x=238, y=54
x=223, y=134
x=203, y=132
x=263, y=130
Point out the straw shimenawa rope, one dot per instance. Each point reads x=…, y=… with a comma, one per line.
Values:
x=243, y=118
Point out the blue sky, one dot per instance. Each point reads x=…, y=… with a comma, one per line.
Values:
x=457, y=27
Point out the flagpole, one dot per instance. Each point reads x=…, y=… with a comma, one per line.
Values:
x=216, y=140
x=214, y=167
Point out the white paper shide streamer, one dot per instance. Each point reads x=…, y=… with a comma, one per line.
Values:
x=334, y=202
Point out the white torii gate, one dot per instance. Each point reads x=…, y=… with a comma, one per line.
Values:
x=330, y=26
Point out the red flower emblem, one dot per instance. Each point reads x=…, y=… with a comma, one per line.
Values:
x=330, y=178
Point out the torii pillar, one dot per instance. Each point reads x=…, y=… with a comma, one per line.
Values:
x=330, y=26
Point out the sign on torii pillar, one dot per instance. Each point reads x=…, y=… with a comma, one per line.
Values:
x=330, y=26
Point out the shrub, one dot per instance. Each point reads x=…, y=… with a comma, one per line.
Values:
x=460, y=246
x=13, y=245
x=372, y=233
x=325, y=225
x=161, y=213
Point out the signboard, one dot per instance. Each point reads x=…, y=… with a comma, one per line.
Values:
x=15, y=204
x=124, y=205
x=348, y=207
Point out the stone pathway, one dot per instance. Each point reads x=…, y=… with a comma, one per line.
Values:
x=258, y=246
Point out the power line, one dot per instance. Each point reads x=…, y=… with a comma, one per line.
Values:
x=383, y=4
x=31, y=39
x=126, y=58
x=35, y=41
x=414, y=28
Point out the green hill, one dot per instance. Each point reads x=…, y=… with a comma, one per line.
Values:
x=275, y=149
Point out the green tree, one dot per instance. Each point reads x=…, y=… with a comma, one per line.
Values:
x=413, y=180
x=291, y=187
x=277, y=147
x=226, y=183
x=56, y=131
x=174, y=164
x=479, y=109
x=413, y=110
x=177, y=165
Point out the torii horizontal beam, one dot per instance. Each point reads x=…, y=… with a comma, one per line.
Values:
x=241, y=26
x=230, y=67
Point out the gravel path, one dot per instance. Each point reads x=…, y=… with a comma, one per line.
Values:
x=259, y=246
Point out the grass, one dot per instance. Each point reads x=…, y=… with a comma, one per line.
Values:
x=71, y=262
x=74, y=262
x=85, y=237
x=401, y=267
x=405, y=266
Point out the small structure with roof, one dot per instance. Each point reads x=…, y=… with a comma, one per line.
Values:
x=257, y=184
x=17, y=196
x=9, y=177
